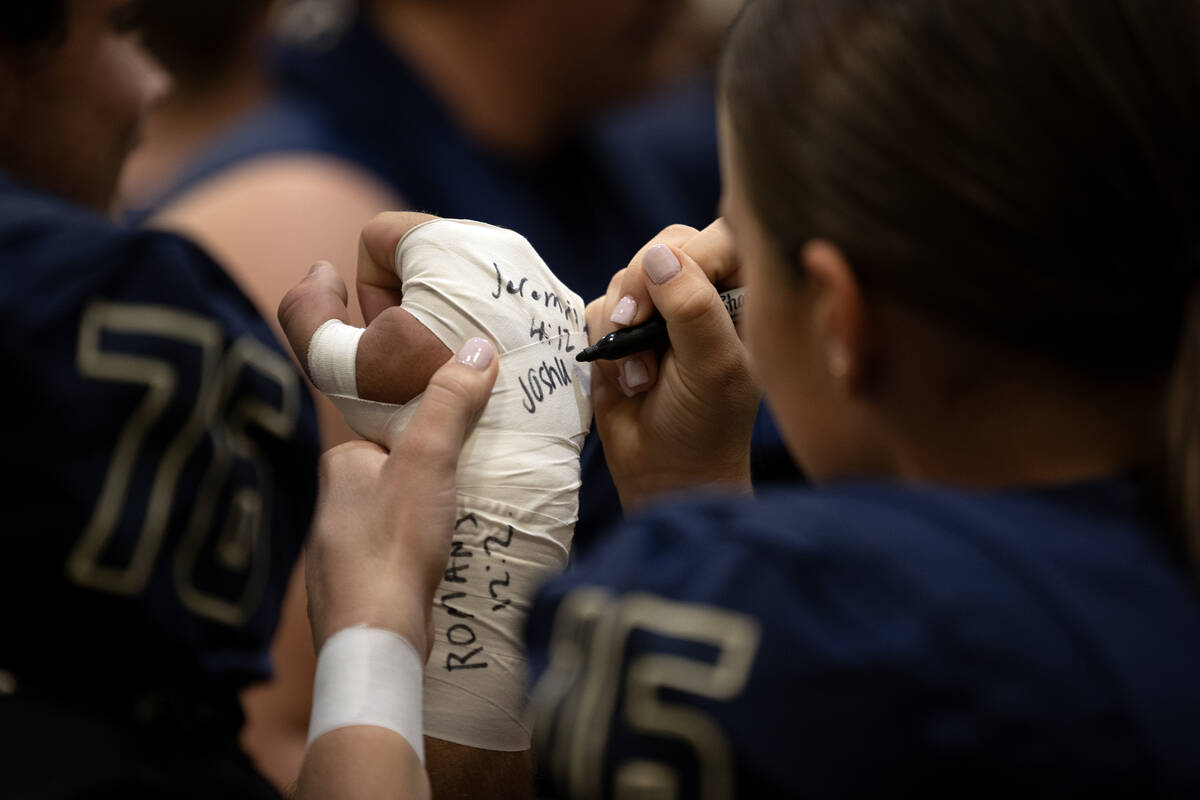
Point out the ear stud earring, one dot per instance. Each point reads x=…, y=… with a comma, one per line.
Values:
x=838, y=362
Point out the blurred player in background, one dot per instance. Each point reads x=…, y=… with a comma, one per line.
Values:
x=160, y=448
x=216, y=53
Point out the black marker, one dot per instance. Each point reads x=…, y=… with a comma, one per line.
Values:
x=649, y=334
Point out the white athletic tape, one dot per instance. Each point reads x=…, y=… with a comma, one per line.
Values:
x=368, y=676
x=518, y=475
x=332, y=354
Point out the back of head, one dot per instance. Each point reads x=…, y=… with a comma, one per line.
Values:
x=1026, y=172
x=958, y=151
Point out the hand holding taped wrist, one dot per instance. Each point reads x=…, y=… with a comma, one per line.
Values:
x=518, y=474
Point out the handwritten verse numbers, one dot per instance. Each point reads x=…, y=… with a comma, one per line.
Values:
x=475, y=588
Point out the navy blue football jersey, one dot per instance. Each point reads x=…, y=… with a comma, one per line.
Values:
x=874, y=640
x=159, y=457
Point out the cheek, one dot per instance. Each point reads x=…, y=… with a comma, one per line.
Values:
x=109, y=94
x=776, y=356
x=768, y=325
x=754, y=328
x=133, y=84
x=793, y=377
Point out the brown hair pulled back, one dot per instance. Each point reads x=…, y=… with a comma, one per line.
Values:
x=1025, y=171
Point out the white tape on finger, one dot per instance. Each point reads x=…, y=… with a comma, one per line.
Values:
x=332, y=354
x=518, y=475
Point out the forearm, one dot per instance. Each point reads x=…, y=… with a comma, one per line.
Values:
x=457, y=772
x=362, y=762
x=277, y=712
x=365, y=733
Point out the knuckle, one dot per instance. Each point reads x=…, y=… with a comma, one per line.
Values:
x=381, y=220
x=715, y=263
x=618, y=279
x=287, y=307
x=291, y=308
x=693, y=304
x=375, y=233
x=449, y=388
x=677, y=231
x=390, y=318
x=420, y=446
x=633, y=282
x=426, y=448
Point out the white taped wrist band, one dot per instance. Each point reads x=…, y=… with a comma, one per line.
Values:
x=332, y=354
x=368, y=676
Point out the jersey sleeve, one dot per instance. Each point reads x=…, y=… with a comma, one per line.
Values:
x=161, y=449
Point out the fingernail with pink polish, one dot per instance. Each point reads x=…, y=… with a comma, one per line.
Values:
x=625, y=387
x=660, y=263
x=476, y=353
x=623, y=313
x=636, y=373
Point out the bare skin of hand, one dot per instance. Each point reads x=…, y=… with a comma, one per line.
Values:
x=682, y=418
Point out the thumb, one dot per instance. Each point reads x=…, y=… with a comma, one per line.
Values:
x=379, y=286
x=452, y=402
x=697, y=320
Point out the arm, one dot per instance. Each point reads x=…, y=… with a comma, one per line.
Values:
x=362, y=763
x=458, y=772
x=379, y=543
x=456, y=769
x=277, y=711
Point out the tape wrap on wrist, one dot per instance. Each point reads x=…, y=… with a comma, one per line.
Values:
x=518, y=474
x=368, y=676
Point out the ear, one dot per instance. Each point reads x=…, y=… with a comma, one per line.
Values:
x=839, y=313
